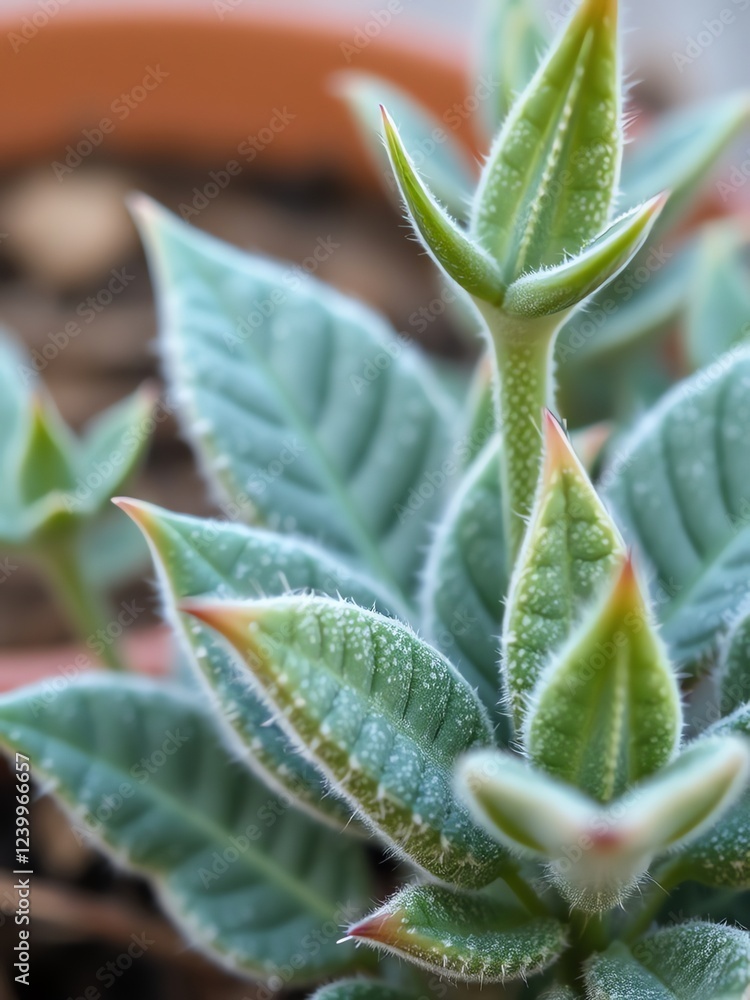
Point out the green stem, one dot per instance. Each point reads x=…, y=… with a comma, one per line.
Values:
x=523, y=356
x=88, y=610
x=665, y=879
x=524, y=892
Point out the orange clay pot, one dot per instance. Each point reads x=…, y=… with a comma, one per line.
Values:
x=191, y=87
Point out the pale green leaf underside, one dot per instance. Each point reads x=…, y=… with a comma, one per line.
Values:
x=466, y=580
x=680, y=490
x=548, y=186
x=197, y=557
x=383, y=715
x=541, y=293
x=718, y=315
x=434, y=150
x=250, y=901
x=679, y=152
x=300, y=402
x=570, y=550
x=463, y=936
x=694, y=961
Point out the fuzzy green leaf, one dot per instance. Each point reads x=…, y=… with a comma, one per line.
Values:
x=681, y=491
x=570, y=550
x=598, y=854
x=459, y=256
x=718, y=314
x=144, y=767
x=462, y=936
x=379, y=711
x=721, y=856
x=561, y=139
x=466, y=580
x=556, y=288
x=301, y=403
x=361, y=989
x=48, y=463
x=511, y=41
x=196, y=557
x=647, y=296
x=441, y=160
x=680, y=151
x=606, y=713
x=734, y=666
x=694, y=961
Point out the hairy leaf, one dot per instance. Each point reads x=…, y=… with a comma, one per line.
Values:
x=461, y=935
x=459, y=256
x=562, y=137
x=679, y=152
x=441, y=160
x=569, y=553
x=556, y=288
x=721, y=857
x=681, y=491
x=718, y=314
x=383, y=714
x=687, y=962
x=606, y=713
x=232, y=561
x=511, y=40
x=143, y=766
x=466, y=580
x=734, y=667
x=301, y=403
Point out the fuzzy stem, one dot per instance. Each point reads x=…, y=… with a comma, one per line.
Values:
x=524, y=892
x=665, y=879
x=87, y=609
x=523, y=356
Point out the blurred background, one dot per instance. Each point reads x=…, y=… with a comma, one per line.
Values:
x=224, y=110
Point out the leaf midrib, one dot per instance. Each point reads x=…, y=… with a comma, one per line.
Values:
x=213, y=833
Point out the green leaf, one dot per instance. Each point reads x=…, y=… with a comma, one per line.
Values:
x=301, y=403
x=143, y=766
x=718, y=313
x=721, y=857
x=694, y=961
x=570, y=550
x=606, y=713
x=556, y=288
x=466, y=579
x=598, y=854
x=113, y=445
x=647, y=296
x=48, y=463
x=679, y=152
x=734, y=665
x=440, y=158
x=379, y=711
x=110, y=550
x=361, y=989
x=559, y=993
x=681, y=490
x=231, y=561
x=562, y=137
x=462, y=936
x=511, y=40
x=15, y=420
x=459, y=256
